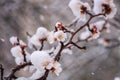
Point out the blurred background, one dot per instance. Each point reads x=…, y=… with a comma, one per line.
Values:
x=96, y=63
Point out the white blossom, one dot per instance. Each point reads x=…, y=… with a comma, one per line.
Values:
x=79, y=9
x=16, y=51
x=51, y=38
x=105, y=6
x=19, y=60
x=34, y=40
x=14, y=40
x=41, y=32
x=60, y=36
x=101, y=25
x=95, y=32
x=40, y=59
x=55, y=67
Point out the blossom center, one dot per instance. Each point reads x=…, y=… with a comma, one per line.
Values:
x=106, y=8
x=60, y=37
x=83, y=9
x=94, y=29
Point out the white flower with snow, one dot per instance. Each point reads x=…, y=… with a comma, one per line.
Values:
x=79, y=9
x=34, y=40
x=19, y=60
x=14, y=40
x=40, y=59
x=55, y=67
x=50, y=37
x=95, y=32
x=16, y=51
x=42, y=33
x=105, y=6
x=60, y=36
x=101, y=25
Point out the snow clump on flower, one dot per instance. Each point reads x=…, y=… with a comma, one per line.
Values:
x=106, y=7
x=79, y=9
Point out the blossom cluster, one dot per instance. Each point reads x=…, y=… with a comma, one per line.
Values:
x=42, y=34
x=40, y=59
x=43, y=60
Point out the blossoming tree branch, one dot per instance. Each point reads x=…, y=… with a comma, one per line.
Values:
x=40, y=62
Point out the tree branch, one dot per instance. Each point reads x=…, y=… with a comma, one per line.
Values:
x=1, y=71
x=78, y=46
x=42, y=45
x=44, y=77
x=17, y=68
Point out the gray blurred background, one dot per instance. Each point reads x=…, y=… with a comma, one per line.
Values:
x=96, y=63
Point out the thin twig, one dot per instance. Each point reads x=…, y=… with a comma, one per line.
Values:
x=78, y=46
x=57, y=57
x=42, y=45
